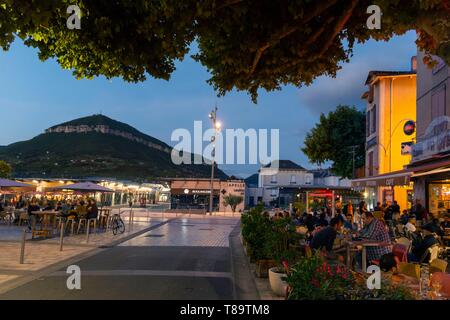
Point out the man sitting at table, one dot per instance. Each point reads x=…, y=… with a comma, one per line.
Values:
x=324, y=239
x=421, y=246
x=374, y=230
x=33, y=206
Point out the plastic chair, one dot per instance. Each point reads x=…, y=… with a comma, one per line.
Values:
x=23, y=216
x=444, y=279
x=409, y=269
x=405, y=242
x=401, y=252
x=438, y=265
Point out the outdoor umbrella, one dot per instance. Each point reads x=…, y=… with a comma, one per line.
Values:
x=11, y=185
x=8, y=184
x=84, y=187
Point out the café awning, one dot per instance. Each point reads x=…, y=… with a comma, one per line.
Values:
x=396, y=178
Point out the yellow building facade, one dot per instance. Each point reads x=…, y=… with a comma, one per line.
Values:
x=390, y=134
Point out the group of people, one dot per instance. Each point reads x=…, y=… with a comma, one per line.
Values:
x=366, y=225
x=69, y=209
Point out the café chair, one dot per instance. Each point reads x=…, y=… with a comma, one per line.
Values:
x=438, y=265
x=409, y=269
x=3, y=216
x=401, y=252
x=72, y=222
x=23, y=216
x=405, y=242
x=444, y=279
x=432, y=252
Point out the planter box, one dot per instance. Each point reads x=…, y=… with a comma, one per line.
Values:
x=263, y=266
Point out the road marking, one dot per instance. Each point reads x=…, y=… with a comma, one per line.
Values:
x=160, y=273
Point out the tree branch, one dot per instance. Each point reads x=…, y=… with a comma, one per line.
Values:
x=227, y=3
x=339, y=25
x=289, y=29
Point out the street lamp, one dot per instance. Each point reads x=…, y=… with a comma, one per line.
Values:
x=216, y=125
x=391, y=134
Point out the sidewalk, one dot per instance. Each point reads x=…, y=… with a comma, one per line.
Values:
x=43, y=254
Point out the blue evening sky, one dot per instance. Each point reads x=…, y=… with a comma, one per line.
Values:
x=35, y=95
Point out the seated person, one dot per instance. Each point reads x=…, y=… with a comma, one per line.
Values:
x=410, y=226
x=420, y=247
x=92, y=210
x=446, y=223
x=389, y=262
x=322, y=222
x=374, y=230
x=33, y=206
x=324, y=239
x=81, y=209
x=435, y=227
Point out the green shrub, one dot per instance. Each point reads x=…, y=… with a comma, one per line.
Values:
x=255, y=229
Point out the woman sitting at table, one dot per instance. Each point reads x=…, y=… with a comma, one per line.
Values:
x=92, y=209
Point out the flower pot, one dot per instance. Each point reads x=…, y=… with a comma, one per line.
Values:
x=263, y=266
x=277, y=285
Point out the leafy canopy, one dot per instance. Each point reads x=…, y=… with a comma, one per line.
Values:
x=5, y=169
x=233, y=201
x=334, y=136
x=244, y=44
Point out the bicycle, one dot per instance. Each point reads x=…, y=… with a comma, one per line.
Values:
x=117, y=224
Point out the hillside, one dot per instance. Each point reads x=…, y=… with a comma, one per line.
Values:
x=105, y=148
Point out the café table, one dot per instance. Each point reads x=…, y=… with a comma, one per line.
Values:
x=364, y=244
x=47, y=226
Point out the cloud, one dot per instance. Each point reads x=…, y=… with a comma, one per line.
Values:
x=326, y=92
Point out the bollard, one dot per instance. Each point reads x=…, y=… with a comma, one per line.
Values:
x=61, y=237
x=22, y=247
x=87, y=230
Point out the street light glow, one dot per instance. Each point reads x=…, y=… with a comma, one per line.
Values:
x=218, y=125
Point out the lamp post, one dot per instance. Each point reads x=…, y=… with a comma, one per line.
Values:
x=216, y=125
x=391, y=134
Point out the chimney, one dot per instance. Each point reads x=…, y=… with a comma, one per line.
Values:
x=414, y=63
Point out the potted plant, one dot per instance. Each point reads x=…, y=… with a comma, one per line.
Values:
x=254, y=229
x=279, y=246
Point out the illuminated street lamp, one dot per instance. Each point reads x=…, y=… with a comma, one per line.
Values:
x=216, y=125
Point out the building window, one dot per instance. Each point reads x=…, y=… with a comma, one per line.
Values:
x=273, y=179
x=367, y=123
x=273, y=192
x=373, y=128
x=370, y=163
x=438, y=103
x=293, y=179
x=308, y=180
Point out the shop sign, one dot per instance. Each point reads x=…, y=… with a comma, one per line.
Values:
x=407, y=147
x=436, y=139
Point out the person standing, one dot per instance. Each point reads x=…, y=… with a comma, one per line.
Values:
x=419, y=211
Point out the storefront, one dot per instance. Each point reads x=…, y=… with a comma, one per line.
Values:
x=386, y=188
x=195, y=194
x=317, y=197
x=432, y=185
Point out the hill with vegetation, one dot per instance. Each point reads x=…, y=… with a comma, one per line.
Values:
x=126, y=153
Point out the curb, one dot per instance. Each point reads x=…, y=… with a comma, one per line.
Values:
x=244, y=285
x=14, y=283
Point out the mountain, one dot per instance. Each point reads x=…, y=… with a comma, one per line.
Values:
x=97, y=146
